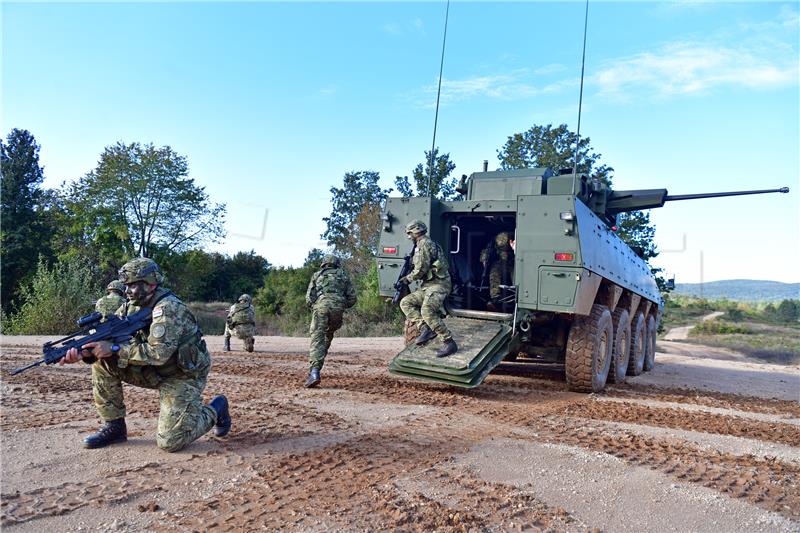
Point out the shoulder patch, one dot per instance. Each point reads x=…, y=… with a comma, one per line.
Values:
x=158, y=331
x=157, y=312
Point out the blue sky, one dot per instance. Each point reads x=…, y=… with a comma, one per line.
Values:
x=273, y=102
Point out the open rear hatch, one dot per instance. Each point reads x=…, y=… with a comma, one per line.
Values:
x=482, y=344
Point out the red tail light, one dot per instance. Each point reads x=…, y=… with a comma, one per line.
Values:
x=390, y=250
x=564, y=256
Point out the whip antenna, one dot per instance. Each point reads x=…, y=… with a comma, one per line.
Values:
x=438, y=94
x=580, y=99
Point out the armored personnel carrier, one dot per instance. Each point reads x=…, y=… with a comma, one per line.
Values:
x=580, y=300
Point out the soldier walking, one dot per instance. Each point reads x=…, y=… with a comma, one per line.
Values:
x=113, y=300
x=241, y=322
x=425, y=306
x=329, y=293
x=170, y=356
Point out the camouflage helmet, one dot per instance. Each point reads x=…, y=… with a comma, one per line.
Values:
x=141, y=269
x=416, y=227
x=116, y=285
x=246, y=299
x=501, y=241
x=331, y=260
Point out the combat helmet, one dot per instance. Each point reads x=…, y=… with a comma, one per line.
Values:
x=141, y=269
x=116, y=285
x=246, y=299
x=416, y=227
x=331, y=260
x=501, y=241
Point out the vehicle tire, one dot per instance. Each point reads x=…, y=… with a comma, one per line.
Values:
x=590, y=347
x=410, y=332
x=622, y=346
x=650, y=344
x=638, y=341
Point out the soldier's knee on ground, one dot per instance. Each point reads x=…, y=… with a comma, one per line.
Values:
x=171, y=442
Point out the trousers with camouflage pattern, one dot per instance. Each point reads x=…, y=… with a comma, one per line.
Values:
x=183, y=417
x=426, y=304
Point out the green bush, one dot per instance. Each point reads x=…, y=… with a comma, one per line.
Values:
x=718, y=327
x=734, y=314
x=54, y=299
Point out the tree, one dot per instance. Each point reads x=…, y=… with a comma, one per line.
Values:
x=442, y=186
x=23, y=233
x=353, y=226
x=788, y=311
x=546, y=146
x=141, y=196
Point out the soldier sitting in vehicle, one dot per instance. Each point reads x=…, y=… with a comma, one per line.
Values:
x=497, y=259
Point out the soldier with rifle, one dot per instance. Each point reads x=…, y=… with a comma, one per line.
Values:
x=497, y=259
x=424, y=307
x=167, y=354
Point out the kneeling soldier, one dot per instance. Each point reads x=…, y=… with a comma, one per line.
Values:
x=170, y=356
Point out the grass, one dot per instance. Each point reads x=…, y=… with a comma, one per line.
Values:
x=771, y=343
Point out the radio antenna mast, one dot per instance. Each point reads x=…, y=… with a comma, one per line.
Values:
x=580, y=99
x=438, y=94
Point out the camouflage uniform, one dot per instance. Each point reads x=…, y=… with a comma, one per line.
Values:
x=108, y=304
x=329, y=293
x=170, y=356
x=426, y=304
x=241, y=322
x=501, y=270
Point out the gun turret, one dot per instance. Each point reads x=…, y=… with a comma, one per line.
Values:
x=624, y=201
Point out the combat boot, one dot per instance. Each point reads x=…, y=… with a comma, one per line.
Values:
x=425, y=334
x=449, y=348
x=313, y=378
x=111, y=432
x=227, y=345
x=223, y=425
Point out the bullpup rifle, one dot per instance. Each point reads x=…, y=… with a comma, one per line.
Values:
x=115, y=329
x=401, y=286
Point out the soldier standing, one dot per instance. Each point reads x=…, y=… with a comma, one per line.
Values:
x=424, y=307
x=329, y=293
x=241, y=322
x=498, y=257
x=113, y=300
x=170, y=356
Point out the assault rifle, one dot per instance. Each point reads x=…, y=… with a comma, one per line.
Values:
x=400, y=286
x=115, y=329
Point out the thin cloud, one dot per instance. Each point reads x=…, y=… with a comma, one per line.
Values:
x=415, y=26
x=687, y=68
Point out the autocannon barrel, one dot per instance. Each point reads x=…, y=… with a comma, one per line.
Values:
x=624, y=201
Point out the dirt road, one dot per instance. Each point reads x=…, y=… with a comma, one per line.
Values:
x=696, y=445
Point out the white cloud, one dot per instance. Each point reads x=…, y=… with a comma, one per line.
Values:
x=415, y=26
x=685, y=68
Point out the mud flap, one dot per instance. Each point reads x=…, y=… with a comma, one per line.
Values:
x=482, y=344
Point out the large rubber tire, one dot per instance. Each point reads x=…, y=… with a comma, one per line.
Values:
x=590, y=347
x=650, y=345
x=410, y=332
x=638, y=341
x=622, y=346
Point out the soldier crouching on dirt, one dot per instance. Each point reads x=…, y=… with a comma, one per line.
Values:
x=329, y=293
x=170, y=356
x=425, y=306
x=113, y=300
x=241, y=322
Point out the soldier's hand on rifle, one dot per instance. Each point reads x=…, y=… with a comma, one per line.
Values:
x=100, y=350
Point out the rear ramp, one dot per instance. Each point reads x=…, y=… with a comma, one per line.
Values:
x=482, y=344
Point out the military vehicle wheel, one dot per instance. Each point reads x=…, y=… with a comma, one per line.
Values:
x=589, y=350
x=650, y=344
x=638, y=341
x=410, y=332
x=622, y=346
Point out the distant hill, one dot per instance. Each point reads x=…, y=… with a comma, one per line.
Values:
x=751, y=290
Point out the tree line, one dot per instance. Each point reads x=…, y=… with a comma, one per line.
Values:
x=60, y=246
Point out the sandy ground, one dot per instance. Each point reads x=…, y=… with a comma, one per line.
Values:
x=707, y=441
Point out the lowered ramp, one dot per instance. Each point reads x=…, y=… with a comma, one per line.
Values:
x=482, y=344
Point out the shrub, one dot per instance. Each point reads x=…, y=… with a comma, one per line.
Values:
x=718, y=327
x=55, y=298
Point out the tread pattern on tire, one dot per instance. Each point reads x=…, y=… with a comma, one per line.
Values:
x=582, y=342
x=650, y=344
x=622, y=345
x=638, y=338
